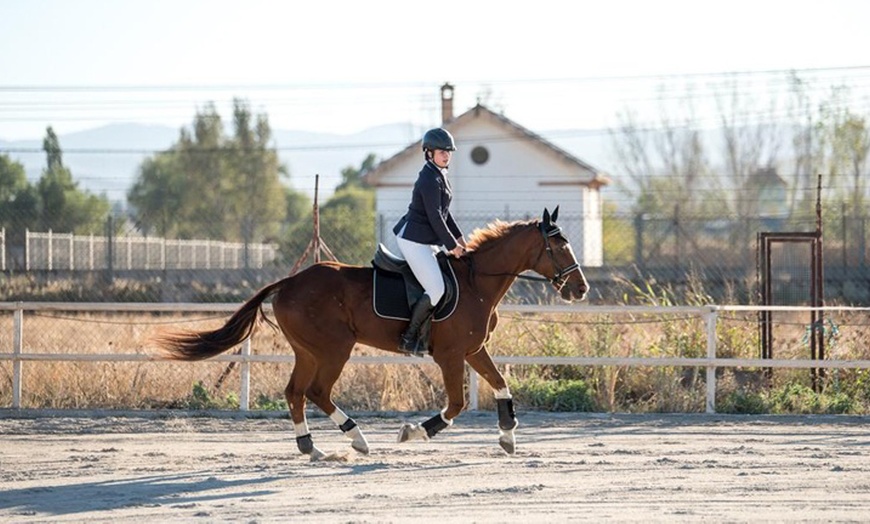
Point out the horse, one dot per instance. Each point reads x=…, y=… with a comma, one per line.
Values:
x=326, y=309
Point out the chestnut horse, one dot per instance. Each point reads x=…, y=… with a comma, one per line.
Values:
x=326, y=309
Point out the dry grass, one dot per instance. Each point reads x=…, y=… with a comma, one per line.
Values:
x=404, y=387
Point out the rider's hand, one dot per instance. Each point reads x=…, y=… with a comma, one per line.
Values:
x=457, y=251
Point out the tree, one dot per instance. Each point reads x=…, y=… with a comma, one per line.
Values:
x=62, y=206
x=297, y=206
x=157, y=195
x=352, y=177
x=666, y=164
x=749, y=144
x=200, y=159
x=256, y=195
x=349, y=216
x=847, y=138
x=347, y=221
x=671, y=175
x=208, y=185
x=18, y=198
x=854, y=136
x=805, y=142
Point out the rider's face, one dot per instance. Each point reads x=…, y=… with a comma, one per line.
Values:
x=441, y=157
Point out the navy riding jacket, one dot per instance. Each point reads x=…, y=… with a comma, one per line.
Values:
x=428, y=220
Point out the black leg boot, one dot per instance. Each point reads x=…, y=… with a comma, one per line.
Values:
x=421, y=313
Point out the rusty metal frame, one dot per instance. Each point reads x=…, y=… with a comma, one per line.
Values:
x=765, y=242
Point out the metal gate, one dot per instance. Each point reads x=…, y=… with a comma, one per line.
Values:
x=791, y=273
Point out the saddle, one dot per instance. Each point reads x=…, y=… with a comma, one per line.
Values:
x=396, y=289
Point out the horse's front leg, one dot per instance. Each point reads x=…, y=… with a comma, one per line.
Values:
x=482, y=362
x=453, y=374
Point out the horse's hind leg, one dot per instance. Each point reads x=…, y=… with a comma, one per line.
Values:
x=507, y=419
x=320, y=392
x=301, y=377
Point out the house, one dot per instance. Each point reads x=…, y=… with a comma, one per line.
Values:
x=500, y=170
x=769, y=191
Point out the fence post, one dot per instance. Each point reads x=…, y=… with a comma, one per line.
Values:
x=3, y=254
x=18, y=337
x=27, y=249
x=678, y=240
x=110, y=251
x=50, y=252
x=711, y=318
x=862, y=242
x=638, y=239
x=129, y=252
x=245, y=375
x=845, y=233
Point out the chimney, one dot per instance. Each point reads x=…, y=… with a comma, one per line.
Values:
x=446, y=103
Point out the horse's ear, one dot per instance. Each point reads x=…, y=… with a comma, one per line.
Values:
x=555, y=214
x=546, y=220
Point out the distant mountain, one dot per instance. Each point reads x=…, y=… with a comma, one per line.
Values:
x=105, y=160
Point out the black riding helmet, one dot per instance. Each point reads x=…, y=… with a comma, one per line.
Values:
x=438, y=138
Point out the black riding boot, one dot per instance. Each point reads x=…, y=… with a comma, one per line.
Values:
x=422, y=313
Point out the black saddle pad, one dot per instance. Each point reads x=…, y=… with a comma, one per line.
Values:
x=391, y=299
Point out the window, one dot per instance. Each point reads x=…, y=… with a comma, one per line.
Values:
x=479, y=155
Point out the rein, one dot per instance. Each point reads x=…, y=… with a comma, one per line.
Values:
x=533, y=278
x=560, y=276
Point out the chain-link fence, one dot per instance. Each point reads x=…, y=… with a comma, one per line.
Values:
x=714, y=257
x=87, y=356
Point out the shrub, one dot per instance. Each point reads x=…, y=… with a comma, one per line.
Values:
x=553, y=395
x=800, y=399
x=743, y=403
x=200, y=398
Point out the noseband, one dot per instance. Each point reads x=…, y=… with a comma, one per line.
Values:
x=560, y=277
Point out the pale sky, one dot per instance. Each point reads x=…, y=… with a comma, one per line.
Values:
x=343, y=66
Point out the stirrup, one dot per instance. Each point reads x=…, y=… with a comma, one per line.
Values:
x=413, y=347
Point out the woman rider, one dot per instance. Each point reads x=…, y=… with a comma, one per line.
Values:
x=426, y=227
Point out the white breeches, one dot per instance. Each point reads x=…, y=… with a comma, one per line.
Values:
x=421, y=258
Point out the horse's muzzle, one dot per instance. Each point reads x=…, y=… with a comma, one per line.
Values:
x=574, y=289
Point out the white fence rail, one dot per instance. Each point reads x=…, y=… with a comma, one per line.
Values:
x=65, y=251
x=709, y=313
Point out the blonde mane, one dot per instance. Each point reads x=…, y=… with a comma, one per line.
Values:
x=493, y=231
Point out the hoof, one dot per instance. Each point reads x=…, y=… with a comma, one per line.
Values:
x=316, y=455
x=358, y=440
x=411, y=432
x=360, y=445
x=507, y=441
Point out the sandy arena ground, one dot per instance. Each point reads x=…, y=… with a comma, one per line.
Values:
x=568, y=467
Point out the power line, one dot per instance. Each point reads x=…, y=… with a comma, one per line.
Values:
x=417, y=84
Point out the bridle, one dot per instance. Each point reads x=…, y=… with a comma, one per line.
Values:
x=560, y=276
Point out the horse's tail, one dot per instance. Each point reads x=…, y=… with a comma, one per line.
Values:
x=193, y=345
